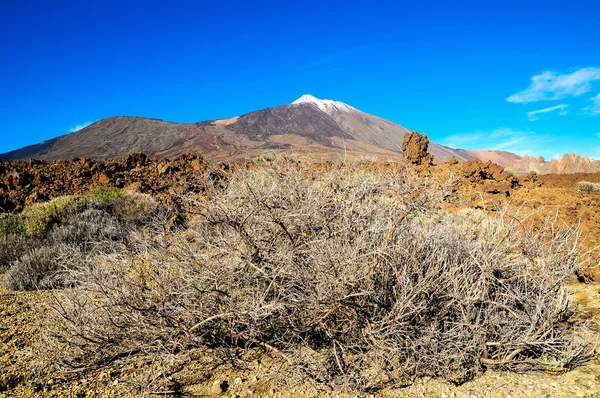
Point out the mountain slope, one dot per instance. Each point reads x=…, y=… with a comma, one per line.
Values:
x=374, y=130
x=117, y=136
x=503, y=158
x=308, y=125
x=302, y=120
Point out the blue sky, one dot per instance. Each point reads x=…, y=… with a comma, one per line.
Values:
x=522, y=76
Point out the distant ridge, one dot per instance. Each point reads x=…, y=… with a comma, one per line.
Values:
x=323, y=128
x=503, y=158
x=570, y=163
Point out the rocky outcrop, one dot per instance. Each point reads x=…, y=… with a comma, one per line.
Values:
x=473, y=176
x=570, y=163
x=487, y=176
x=414, y=149
x=528, y=164
x=26, y=182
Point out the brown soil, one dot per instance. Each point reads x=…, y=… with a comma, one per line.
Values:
x=568, y=180
x=226, y=122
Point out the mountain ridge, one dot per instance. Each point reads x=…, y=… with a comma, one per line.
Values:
x=503, y=158
x=569, y=163
x=326, y=128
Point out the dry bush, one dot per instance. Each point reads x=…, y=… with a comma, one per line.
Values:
x=72, y=231
x=587, y=186
x=41, y=262
x=37, y=269
x=350, y=276
x=87, y=229
x=12, y=247
x=138, y=209
x=49, y=266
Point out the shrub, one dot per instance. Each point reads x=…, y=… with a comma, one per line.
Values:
x=39, y=268
x=265, y=158
x=11, y=224
x=106, y=195
x=12, y=247
x=40, y=218
x=345, y=274
x=70, y=244
x=41, y=244
x=86, y=230
x=70, y=230
x=135, y=207
x=586, y=186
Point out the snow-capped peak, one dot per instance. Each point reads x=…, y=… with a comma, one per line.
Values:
x=327, y=106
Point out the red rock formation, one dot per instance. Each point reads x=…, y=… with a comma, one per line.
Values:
x=414, y=148
x=570, y=163
x=25, y=182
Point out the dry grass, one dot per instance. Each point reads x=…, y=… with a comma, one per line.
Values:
x=352, y=277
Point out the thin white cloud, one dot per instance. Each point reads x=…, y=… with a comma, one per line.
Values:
x=504, y=139
x=554, y=86
x=533, y=115
x=81, y=126
x=330, y=58
x=594, y=109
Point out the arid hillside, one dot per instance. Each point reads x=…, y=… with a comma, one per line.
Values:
x=327, y=130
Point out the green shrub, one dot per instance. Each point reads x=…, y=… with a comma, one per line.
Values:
x=11, y=224
x=45, y=262
x=106, y=195
x=265, y=158
x=136, y=208
x=39, y=218
x=41, y=244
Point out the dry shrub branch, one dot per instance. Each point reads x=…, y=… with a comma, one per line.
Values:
x=351, y=276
